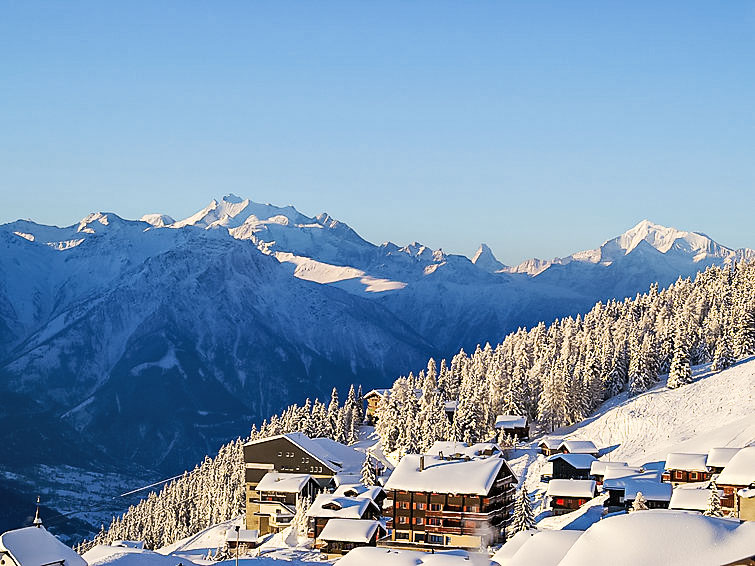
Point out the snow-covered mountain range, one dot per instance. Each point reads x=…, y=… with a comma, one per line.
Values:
x=154, y=340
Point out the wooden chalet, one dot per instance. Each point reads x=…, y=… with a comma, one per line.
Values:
x=438, y=501
x=238, y=542
x=329, y=506
x=684, y=467
x=579, y=447
x=372, y=400
x=550, y=445
x=598, y=469
x=375, y=493
x=513, y=425
x=739, y=474
x=297, y=455
x=339, y=536
x=570, y=466
x=718, y=458
x=567, y=495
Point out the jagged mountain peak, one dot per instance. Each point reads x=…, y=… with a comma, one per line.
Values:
x=484, y=258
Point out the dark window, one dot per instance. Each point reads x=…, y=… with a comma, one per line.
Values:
x=402, y=520
x=420, y=506
x=435, y=506
x=419, y=521
x=434, y=521
x=435, y=539
x=402, y=536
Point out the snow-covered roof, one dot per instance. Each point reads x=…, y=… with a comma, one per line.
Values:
x=687, y=462
x=551, y=442
x=450, y=406
x=599, y=467
x=245, y=536
x=616, y=472
x=129, y=543
x=719, y=457
x=35, y=546
x=108, y=555
x=746, y=493
x=649, y=483
x=349, y=530
x=347, y=457
x=510, y=421
x=335, y=455
x=358, y=490
x=571, y=488
x=689, y=499
x=382, y=556
x=740, y=470
x=579, y=446
x=544, y=548
x=375, y=392
x=660, y=536
x=344, y=507
x=283, y=483
x=578, y=461
x=474, y=476
x=452, y=448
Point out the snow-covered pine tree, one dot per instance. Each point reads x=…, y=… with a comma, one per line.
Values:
x=640, y=503
x=744, y=338
x=723, y=357
x=523, y=518
x=369, y=477
x=714, y=502
x=680, y=373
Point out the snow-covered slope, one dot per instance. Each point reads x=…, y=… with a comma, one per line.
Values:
x=716, y=410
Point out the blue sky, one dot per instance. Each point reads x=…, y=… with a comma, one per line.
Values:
x=540, y=128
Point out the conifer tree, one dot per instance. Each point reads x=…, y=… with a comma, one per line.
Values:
x=369, y=477
x=723, y=357
x=639, y=503
x=523, y=518
x=714, y=502
x=680, y=373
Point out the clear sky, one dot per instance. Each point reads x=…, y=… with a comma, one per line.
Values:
x=541, y=128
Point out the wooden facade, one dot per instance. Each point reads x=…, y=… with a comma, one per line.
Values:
x=563, y=469
x=564, y=504
x=684, y=476
x=438, y=520
x=372, y=400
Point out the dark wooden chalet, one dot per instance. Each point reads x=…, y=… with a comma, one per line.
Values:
x=329, y=506
x=622, y=491
x=513, y=425
x=570, y=466
x=436, y=502
x=340, y=536
x=568, y=495
x=686, y=468
x=550, y=445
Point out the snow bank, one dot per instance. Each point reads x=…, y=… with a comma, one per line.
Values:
x=105, y=555
x=663, y=537
x=372, y=556
x=545, y=548
x=741, y=468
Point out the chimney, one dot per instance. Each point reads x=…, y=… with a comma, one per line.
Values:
x=422, y=462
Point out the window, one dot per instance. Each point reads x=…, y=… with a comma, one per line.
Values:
x=402, y=520
x=419, y=521
x=693, y=475
x=472, y=508
x=403, y=505
x=402, y=536
x=420, y=506
x=304, y=460
x=435, y=539
x=560, y=501
x=280, y=454
x=435, y=506
x=434, y=522
x=678, y=475
x=419, y=537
